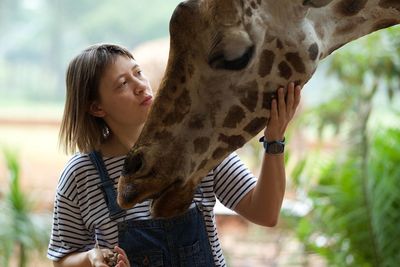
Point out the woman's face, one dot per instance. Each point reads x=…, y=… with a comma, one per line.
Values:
x=125, y=95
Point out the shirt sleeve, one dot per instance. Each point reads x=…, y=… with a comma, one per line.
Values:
x=69, y=233
x=232, y=181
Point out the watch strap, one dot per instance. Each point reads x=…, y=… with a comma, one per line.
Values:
x=273, y=147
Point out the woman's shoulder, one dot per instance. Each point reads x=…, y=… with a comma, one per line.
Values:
x=77, y=162
x=77, y=166
x=80, y=168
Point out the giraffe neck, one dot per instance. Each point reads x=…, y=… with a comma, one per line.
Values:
x=343, y=21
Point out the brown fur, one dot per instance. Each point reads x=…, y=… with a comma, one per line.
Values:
x=205, y=111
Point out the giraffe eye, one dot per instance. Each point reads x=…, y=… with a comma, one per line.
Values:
x=219, y=61
x=316, y=3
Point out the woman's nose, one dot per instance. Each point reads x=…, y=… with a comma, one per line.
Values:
x=139, y=87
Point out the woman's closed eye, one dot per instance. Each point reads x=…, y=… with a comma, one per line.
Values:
x=137, y=72
x=122, y=84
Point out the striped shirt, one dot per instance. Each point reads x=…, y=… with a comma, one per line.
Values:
x=81, y=215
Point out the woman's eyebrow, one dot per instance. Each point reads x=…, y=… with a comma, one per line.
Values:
x=123, y=74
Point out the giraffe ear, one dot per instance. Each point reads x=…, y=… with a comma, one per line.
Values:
x=96, y=110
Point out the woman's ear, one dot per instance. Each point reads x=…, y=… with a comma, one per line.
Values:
x=96, y=110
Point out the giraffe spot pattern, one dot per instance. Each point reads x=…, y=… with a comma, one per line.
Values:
x=197, y=121
x=248, y=95
x=284, y=70
x=201, y=145
x=190, y=70
x=219, y=152
x=279, y=44
x=382, y=24
x=233, y=141
x=350, y=7
x=202, y=164
x=296, y=61
x=173, y=89
x=249, y=13
x=163, y=135
x=266, y=62
x=349, y=26
x=313, y=51
x=183, y=79
x=255, y=126
x=390, y=3
x=235, y=116
x=180, y=108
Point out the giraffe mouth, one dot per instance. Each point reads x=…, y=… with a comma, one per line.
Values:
x=162, y=192
x=147, y=186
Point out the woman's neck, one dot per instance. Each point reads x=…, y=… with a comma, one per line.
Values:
x=119, y=144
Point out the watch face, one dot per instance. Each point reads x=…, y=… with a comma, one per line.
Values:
x=275, y=148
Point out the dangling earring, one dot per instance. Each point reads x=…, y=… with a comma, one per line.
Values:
x=105, y=131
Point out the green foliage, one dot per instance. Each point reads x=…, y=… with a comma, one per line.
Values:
x=368, y=79
x=354, y=191
x=384, y=185
x=22, y=232
x=354, y=218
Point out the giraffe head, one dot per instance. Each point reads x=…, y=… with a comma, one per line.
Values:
x=226, y=60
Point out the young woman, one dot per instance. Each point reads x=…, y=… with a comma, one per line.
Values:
x=108, y=99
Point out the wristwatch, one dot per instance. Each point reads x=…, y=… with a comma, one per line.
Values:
x=273, y=147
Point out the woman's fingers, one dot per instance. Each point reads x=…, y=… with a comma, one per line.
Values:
x=297, y=96
x=120, y=251
x=281, y=103
x=290, y=99
x=122, y=257
x=274, y=110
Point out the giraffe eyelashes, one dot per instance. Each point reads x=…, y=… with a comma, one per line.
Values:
x=219, y=61
x=316, y=3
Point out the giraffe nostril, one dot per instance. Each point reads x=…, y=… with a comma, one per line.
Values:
x=133, y=163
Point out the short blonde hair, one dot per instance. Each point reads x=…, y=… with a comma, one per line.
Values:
x=79, y=129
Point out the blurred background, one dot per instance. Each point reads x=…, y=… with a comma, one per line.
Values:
x=342, y=206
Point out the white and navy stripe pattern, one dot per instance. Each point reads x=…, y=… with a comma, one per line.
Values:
x=81, y=215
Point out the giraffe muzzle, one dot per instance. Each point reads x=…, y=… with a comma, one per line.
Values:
x=126, y=196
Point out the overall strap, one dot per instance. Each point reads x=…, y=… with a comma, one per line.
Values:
x=199, y=204
x=107, y=186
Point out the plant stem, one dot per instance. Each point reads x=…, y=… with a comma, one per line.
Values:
x=365, y=112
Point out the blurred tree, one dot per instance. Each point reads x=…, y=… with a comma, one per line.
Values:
x=355, y=191
x=40, y=37
x=22, y=232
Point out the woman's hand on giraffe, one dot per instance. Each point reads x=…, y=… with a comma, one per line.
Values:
x=282, y=112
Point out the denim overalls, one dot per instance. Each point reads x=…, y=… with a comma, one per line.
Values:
x=179, y=241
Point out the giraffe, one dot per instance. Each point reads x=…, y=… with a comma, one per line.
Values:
x=226, y=60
